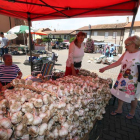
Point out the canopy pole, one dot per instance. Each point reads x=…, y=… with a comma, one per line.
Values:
x=134, y=16
x=132, y=24
x=30, y=42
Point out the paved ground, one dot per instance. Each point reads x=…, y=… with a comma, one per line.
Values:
x=61, y=64
x=117, y=127
x=110, y=127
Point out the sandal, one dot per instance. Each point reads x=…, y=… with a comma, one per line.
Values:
x=114, y=113
x=129, y=116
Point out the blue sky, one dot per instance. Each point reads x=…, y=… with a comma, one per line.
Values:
x=75, y=23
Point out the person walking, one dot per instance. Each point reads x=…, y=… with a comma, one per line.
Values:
x=75, y=56
x=57, y=45
x=106, y=50
x=4, y=45
x=112, y=50
x=126, y=86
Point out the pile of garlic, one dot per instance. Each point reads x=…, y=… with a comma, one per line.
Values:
x=63, y=109
x=87, y=73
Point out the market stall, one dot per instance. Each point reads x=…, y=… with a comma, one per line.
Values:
x=66, y=108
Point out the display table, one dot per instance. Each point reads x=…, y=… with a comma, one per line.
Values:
x=54, y=109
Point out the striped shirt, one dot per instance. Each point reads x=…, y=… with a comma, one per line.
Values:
x=8, y=73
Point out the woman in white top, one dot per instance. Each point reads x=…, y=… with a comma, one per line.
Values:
x=127, y=87
x=75, y=56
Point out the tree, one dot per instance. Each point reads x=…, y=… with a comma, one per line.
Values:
x=46, y=39
x=72, y=39
x=60, y=40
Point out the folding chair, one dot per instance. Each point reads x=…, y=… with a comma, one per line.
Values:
x=46, y=71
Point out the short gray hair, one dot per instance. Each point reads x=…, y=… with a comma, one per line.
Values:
x=135, y=39
x=6, y=55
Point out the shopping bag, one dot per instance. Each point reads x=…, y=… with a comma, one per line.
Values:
x=138, y=73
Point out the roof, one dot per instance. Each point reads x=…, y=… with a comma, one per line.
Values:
x=60, y=32
x=105, y=26
x=136, y=24
x=60, y=9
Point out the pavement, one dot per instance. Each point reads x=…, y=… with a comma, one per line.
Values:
x=110, y=127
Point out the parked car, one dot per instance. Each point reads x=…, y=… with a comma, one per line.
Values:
x=67, y=44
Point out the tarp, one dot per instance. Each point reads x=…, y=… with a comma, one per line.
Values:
x=59, y=9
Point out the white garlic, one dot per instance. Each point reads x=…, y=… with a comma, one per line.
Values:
x=43, y=127
x=63, y=132
x=33, y=131
x=37, y=120
x=16, y=117
x=16, y=106
x=5, y=123
x=3, y=134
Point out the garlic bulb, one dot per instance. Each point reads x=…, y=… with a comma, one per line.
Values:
x=63, y=132
x=27, y=107
x=44, y=108
x=37, y=120
x=55, y=133
x=4, y=103
x=33, y=131
x=3, y=134
x=18, y=133
x=15, y=107
x=5, y=123
x=16, y=117
x=28, y=118
x=9, y=132
x=38, y=103
x=25, y=137
x=42, y=129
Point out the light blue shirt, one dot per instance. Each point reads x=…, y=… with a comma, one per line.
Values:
x=112, y=48
x=3, y=42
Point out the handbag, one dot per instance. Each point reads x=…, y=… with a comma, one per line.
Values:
x=77, y=64
x=138, y=73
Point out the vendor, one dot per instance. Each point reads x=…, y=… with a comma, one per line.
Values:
x=8, y=71
x=75, y=56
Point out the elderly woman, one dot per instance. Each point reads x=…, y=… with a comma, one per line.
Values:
x=8, y=71
x=125, y=88
x=76, y=53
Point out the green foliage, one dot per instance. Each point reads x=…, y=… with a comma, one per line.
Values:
x=46, y=40
x=60, y=40
x=72, y=39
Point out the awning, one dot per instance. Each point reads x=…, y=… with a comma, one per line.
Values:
x=59, y=9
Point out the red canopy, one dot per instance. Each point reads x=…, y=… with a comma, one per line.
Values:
x=59, y=9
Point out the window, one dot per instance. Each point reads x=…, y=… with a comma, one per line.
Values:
x=59, y=36
x=95, y=33
x=106, y=34
x=133, y=32
x=65, y=37
x=114, y=34
x=53, y=36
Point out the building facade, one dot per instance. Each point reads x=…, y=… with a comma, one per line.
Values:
x=110, y=33
x=6, y=23
x=135, y=31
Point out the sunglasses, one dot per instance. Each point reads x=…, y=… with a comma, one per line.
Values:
x=128, y=44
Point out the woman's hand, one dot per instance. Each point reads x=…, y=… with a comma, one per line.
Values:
x=102, y=70
x=19, y=77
